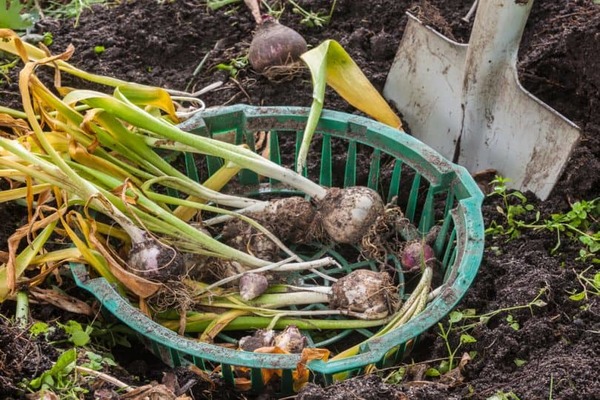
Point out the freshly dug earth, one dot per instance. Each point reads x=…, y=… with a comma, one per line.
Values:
x=553, y=353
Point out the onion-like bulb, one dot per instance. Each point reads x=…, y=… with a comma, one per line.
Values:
x=348, y=213
x=275, y=45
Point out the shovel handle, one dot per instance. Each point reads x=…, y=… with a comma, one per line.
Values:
x=495, y=38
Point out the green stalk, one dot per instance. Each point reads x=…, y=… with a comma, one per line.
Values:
x=258, y=322
x=85, y=190
x=200, y=191
x=272, y=300
x=22, y=309
x=13, y=112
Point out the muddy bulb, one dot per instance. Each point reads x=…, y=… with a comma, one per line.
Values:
x=252, y=285
x=416, y=255
x=290, y=340
x=275, y=45
x=260, y=338
x=153, y=260
x=364, y=291
x=347, y=214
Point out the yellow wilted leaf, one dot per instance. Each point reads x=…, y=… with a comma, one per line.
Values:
x=301, y=374
x=11, y=42
x=218, y=324
x=330, y=64
x=268, y=374
x=17, y=125
x=329, y=61
x=16, y=265
x=142, y=95
x=22, y=192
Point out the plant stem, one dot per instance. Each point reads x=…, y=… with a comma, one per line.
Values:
x=258, y=322
x=22, y=309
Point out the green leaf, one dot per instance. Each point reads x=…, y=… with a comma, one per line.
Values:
x=577, y=296
x=596, y=280
x=39, y=328
x=12, y=15
x=79, y=338
x=539, y=303
x=77, y=335
x=455, y=316
x=331, y=65
x=466, y=338
x=519, y=362
x=63, y=366
x=432, y=373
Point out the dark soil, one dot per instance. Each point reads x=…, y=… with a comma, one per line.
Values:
x=162, y=43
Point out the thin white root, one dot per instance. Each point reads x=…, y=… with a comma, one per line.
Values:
x=282, y=266
x=106, y=378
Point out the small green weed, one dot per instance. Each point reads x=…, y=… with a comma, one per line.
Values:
x=58, y=379
x=234, y=65
x=98, y=361
x=310, y=18
x=461, y=322
x=5, y=68
x=504, y=396
x=580, y=222
x=514, y=206
x=465, y=338
x=590, y=285
x=71, y=9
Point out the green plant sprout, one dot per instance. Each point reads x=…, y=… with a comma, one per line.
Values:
x=58, y=379
x=275, y=13
x=590, y=286
x=310, y=18
x=465, y=338
x=482, y=319
x=463, y=316
x=580, y=222
x=514, y=205
x=5, y=69
x=234, y=65
x=70, y=10
x=214, y=5
x=98, y=361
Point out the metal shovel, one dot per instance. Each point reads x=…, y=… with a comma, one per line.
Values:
x=466, y=101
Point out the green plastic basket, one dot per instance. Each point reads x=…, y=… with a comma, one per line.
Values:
x=430, y=190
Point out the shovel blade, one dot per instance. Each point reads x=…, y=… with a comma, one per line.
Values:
x=481, y=118
x=425, y=85
x=520, y=136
